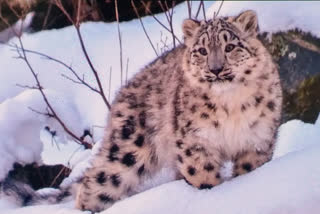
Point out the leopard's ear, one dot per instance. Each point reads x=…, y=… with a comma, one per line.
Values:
x=247, y=22
x=189, y=28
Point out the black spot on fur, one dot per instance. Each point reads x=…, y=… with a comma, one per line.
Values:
x=242, y=79
x=141, y=170
x=191, y=170
x=204, y=115
x=254, y=124
x=139, y=141
x=205, y=97
x=105, y=198
x=271, y=105
x=188, y=152
x=218, y=175
x=216, y=124
x=179, y=144
x=258, y=100
x=118, y=114
x=128, y=128
x=188, y=123
x=193, y=109
x=142, y=119
x=101, y=177
x=132, y=100
x=264, y=77
x=243, y=108
x=183, y=132
x=211, y=106
x=115, y=180
x=129, y=159
x=114, y=148
x=205, y=186
x=247, y=167
x=208, y=167
x=180, y=159
x=247, y=72
x=113, y=153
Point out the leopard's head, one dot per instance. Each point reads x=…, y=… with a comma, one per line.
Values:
x=223, y=51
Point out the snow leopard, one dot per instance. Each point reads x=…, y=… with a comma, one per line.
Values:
x=215, y=98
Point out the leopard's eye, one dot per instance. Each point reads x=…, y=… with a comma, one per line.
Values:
x=203, y=51
x=229, y=47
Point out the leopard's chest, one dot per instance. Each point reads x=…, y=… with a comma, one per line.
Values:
x=231, y=126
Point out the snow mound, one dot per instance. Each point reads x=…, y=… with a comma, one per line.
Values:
x=276, y=15
x=287, y=185
x=20, y=126
x=296, y=135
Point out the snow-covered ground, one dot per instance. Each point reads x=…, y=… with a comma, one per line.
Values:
x=288, y=184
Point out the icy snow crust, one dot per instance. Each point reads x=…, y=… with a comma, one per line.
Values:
x=290, y=183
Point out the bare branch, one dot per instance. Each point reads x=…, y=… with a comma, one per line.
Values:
x=144, y=29
x=47, y=57
x=93, y=69
x=158, y=21
x=50, y=112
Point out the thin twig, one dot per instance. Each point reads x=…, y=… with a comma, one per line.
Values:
x=127, y=70
x=216, y=14
x=94, y=71
x=110, y=77
x=47, y=57
x=26, y=86
x=199, y=9
x=120, y=40
x=189, y=8
x=158, y=21
x=45, y=21
x=57, y=176
x=144, y=29
x=204, y=12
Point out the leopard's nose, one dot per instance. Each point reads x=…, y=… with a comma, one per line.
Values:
x=216, y=71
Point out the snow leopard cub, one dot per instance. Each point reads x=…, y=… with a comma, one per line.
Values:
x=215, y=98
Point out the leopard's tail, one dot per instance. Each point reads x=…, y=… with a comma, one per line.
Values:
x=21, y=194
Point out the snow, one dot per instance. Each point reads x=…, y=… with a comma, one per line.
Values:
x=291, y=138
x=20, y=127
x=277, y=15
x=290, y=183
x=287, y=185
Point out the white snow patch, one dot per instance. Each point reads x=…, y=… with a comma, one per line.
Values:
x=20, y=127
x=276, y=15
x=296, y=135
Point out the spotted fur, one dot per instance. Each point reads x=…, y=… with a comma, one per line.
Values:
x=215, y=98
